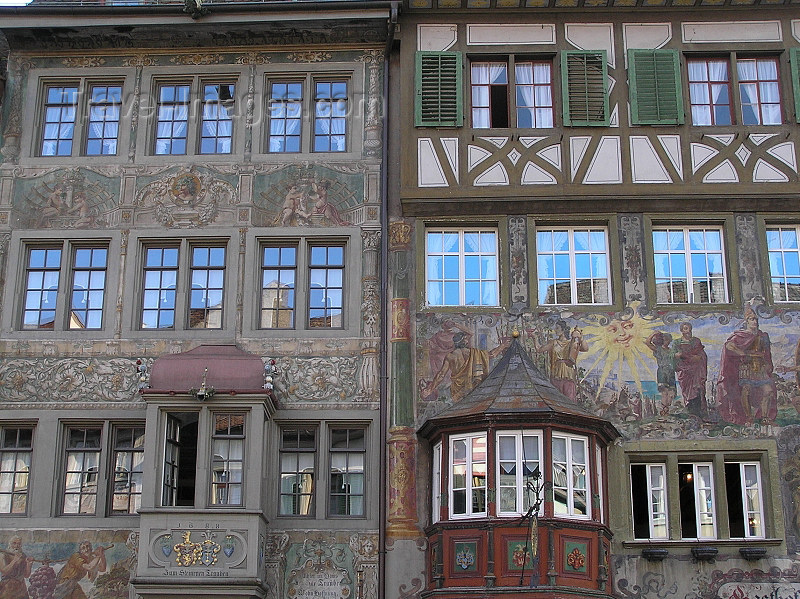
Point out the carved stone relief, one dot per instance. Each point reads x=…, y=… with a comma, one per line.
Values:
x=316, y=380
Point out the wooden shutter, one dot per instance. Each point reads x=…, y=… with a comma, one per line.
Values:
x=655, y=87
x=584, y=86
x=794, y=59
x=438, y=90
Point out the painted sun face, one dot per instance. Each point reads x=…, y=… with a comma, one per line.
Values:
x=621, y=332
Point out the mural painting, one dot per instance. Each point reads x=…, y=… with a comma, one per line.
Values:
x=312, y=196
x=653, y=376
x=66, y=199
x=87, y=569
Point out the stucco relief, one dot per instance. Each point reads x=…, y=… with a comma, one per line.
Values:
x=18, y=69
x=186, y=199
x=37, y=380
x=74, y=198
x=316, y=380
x=633, y=273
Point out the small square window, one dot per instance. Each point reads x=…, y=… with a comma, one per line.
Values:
x=285, y=109
x=326, y=286
x=330, y=116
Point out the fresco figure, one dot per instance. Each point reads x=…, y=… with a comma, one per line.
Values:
x=746, y=390
x=294, y=209
x=691, y=369
x=323, y=207
x=83, y=563
x=15, y=567
x=661, y=346
x=562, y=353
x=465, y=365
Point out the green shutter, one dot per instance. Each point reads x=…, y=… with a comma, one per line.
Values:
x=794, y=58
x=438, y=90
x=655, y=87
x=584, y=87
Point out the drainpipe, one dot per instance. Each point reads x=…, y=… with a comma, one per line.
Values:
x=384, y=312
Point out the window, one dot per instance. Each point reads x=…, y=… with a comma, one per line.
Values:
x=570, y=476
x=655, y=80
x=162, y=267
x=297, y=454
x=745, y=506
x=295, y=127
x=321, y=271
x=784, y=263
x=330, y=116
x=82, y=470
x=278, y=276
x=128, y=469
x=42, y=300
x=326, y=286
x=65, y=129
x=585, y=88
x=533, y=95
x=649, y=498
x=710, y=90
x=572, y=266
x=698, y=511
x=438, y=91
x=436, y=486
x=462, y=267
x=16, y=444
x=468, y=475
x=180, y=459
x=176, y=120
x=689, y=265
x=347, y=454
x=517, y=461
x=285, y=111
x=227, y=462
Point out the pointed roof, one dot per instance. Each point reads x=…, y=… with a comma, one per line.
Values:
x=517, y=390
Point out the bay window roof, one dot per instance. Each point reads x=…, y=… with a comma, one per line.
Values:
x=517, y=391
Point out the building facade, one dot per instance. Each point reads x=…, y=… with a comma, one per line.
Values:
x=593, y=224
x=191, y=228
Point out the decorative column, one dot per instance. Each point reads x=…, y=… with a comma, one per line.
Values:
x=402, y=440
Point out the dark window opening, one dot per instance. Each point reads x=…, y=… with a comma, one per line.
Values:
x=687, y=498
x=180, y=460
x=641, y=515
x=733, y=490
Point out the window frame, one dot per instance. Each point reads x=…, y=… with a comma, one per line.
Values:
x=571, y=229
x=734, y=86
x=512, y=87
x=436, y=483
x=347, y=451
x=688, y=254
x=780, y=225
x=461, y=255
x=725, y=223
x=183, y=289
x=570, y=489
x=519, y=459
x=217, y=486
x=650, y=490
x=308, y=80
x=82, y=114
x=116, y=450
x=16, y=471
x=303, y=267
x=297, y=452
x=469, y=489
x=65, y=290
x=103, y=471
x=195, y=112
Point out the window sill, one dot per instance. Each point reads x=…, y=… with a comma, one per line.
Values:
x=690, y=543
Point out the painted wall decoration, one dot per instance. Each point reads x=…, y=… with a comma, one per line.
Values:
x=654, y=375
x=65, y=199
x=317, y=380
x=186, y=198
x=45, y=565
x=309, y=196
